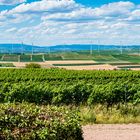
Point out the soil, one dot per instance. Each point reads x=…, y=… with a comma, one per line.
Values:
x=95, y=67
x=112, y=132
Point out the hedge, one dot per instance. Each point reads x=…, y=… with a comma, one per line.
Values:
x=28, y=121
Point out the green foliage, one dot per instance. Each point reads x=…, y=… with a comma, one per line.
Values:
x=82, y=64
x=25, y=58
x=119, y=113
x=33, y=65
x=37, y=58
x=10, y=58
x=7, y=65
x=55, y=86
x=53, y=57
x=28, y=121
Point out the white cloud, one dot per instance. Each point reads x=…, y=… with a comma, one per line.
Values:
x=59, y=21
x=11, y=29
x=11, y=2
x=115, y=9
x=49, y=6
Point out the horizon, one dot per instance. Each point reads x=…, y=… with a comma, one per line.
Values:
x=130, y=45
x=53, y=22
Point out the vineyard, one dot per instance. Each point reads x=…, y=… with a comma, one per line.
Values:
x=30, y=99
x=56, y=86
x=105, y=56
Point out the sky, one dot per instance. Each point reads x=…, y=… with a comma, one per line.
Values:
x=55, y=22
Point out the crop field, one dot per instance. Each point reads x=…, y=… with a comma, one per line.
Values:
x=73, y=87
x=103, y=60
x=52, y=57
x=100, y=57
x=51, y=102
x=10, y=58
x=25, y=58
x=76, y=56
x=37, y=58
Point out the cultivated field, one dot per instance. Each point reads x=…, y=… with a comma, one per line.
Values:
x=55, y=103
x=82, y=60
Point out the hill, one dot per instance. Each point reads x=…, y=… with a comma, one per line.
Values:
x=24, y=48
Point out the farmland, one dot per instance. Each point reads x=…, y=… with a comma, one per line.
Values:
x=71, y=81
x=105, y=56
x=30, y=95
x=69, y=87
x=78, y=60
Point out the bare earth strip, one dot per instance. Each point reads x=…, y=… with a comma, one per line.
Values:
x=94, y=67
x=112, y=132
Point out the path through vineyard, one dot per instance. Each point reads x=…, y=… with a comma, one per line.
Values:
x=112, y=132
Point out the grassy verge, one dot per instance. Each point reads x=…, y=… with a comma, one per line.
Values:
x=118, y=114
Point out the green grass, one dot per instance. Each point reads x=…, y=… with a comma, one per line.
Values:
x=37, y=58
x=25, y=58
x=76, y=56
x=127, y=67
x=129, y=63
x=53, y=57
x=82, y=64
x=1, y=55
x=118, y=114
x=129, y=58
x=104, y=56
x=10, y=58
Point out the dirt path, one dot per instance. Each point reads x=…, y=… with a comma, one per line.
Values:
x=112, y=132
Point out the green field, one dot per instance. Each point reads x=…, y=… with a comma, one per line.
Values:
x=69, y=87
x=54, y=103
x=10, y=58
x=37, y=58
x=81, y=64
x=53, y=57
x=102, y=57
x=25, y=58
x=58, y=86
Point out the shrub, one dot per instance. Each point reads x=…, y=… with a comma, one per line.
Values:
x=7, y=65
x=33, y=65
x=29, y=121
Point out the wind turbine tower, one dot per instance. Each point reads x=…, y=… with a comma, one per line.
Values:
x=91, y=48
x=32, y=49
x=98, y=47
x=21, y=47
x=121, y=47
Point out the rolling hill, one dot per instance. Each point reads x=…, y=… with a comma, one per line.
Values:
x=24, y=48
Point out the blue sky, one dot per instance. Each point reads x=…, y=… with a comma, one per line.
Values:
x=96, y=2
x=101, y=2
x=52, y=22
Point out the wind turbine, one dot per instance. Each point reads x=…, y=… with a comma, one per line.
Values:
x=98, y=47
x=22, y=48
x=91, y=48
x=121, y=48
x=32, y=49
x=12, y=48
